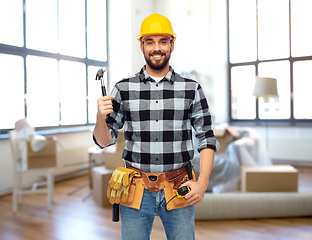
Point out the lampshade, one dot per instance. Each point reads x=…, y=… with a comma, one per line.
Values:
x=265, y=87
x=25, y=131
x=23, y=128
x=37, y=142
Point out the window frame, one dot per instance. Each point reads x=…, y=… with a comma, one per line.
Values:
x=24, y=52
x=257, y=121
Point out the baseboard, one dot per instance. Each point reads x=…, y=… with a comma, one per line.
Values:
x=67, y=176
x=293, y=162
x=5, y=192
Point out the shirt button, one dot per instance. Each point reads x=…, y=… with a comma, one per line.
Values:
x=156, y=120
x=156, y=85
x=156, y=101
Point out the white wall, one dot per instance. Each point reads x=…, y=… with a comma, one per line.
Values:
x=119, y=44
x=5, y=165
x=292, y=144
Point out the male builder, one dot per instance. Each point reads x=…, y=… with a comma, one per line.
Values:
x=158, y=109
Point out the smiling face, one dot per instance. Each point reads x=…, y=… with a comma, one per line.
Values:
x=157, y=50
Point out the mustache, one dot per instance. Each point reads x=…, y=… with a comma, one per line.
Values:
x=157, y=53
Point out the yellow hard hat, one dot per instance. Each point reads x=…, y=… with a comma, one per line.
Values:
x=156, y=24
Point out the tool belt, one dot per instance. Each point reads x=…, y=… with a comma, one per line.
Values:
x=154, y=182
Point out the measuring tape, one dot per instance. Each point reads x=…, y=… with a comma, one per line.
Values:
x=182, y=191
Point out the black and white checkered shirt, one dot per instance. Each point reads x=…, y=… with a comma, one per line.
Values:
x=158, y=120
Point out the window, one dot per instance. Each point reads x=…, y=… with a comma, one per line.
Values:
x=270, y=39
x=41, y=25
x=50, y=52
x=42, y=91
x=11, y=79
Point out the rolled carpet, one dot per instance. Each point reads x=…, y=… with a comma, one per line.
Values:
x=254, y=205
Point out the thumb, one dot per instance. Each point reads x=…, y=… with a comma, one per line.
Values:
x=188, y=183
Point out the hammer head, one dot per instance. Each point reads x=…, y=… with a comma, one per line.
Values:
x=100, y=73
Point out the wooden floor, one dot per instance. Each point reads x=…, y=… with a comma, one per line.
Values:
x=73, y=219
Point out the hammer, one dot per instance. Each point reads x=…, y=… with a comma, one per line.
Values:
x=100, y=76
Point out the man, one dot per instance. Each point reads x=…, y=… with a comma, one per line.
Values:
x=158, y=109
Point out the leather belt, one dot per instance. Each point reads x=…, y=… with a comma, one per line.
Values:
x=154, y=181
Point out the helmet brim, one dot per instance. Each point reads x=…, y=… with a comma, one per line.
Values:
x=140, y=36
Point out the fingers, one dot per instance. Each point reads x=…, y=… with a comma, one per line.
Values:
x=105, y=105
x=195, y=196
x=194, y=200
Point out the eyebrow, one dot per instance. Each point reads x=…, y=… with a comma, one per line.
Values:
x=162, y=39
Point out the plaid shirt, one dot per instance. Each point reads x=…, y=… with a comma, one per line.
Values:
x=158, y=120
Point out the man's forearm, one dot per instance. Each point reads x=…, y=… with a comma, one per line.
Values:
x=198, y=189
x=101, y=132
x=206, y=163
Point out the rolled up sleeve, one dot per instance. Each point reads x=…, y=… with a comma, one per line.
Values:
x=201, y=122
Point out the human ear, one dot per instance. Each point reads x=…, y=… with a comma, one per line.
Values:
x=142, y=47
x=171, y=46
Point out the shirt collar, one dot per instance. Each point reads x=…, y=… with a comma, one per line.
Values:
x=144, y=76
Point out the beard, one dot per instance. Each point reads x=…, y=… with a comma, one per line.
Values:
x=157, y=65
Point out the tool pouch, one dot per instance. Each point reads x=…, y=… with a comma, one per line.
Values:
x=170, y=189
x=136, y=191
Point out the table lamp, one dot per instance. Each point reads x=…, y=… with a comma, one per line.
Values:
x=25, y=131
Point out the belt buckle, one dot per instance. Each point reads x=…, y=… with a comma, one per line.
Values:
x=153, y=184
x=153, y=178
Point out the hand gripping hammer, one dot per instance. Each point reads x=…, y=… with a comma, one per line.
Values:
x=100, y=76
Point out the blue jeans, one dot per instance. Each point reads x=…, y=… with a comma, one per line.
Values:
x=137, y=224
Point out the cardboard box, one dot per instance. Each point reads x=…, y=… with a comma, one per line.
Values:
x=113, y=156
x=121, y=137
x=225, y=136
x=273, y=178
x=45, y=158
x=100, y=179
